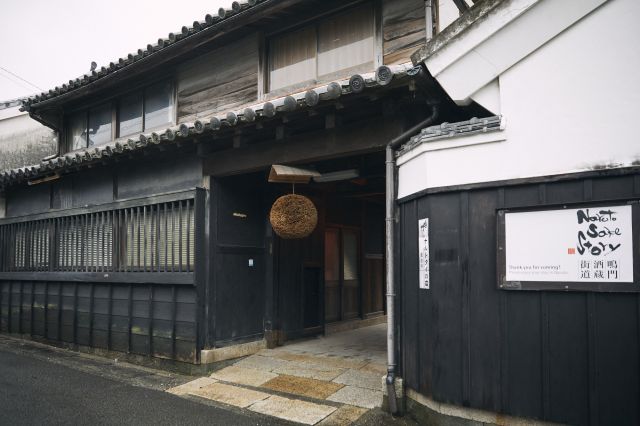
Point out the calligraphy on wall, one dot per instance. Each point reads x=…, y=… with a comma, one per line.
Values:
x=423, y=253
x=591, y=244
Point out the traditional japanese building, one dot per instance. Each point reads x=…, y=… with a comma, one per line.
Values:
x=439, y=142
x=148, y=233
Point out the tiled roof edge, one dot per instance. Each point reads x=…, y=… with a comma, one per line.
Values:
x=450, y=130
x=151, y=49
x=383, y=76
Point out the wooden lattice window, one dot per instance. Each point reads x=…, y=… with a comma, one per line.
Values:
x=156, y=237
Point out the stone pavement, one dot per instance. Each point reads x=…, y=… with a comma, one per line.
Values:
x=332, y=380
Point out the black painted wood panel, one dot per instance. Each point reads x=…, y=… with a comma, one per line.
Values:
x=237, y=311
x=447, y=297
x=289, y=255
x=617, y=357
x=125, y=318
x=240, y=296
x=158, y=177
x=568, y=369
x=563, y=357
x=25, y=199
x=484, y=304
x=411, y=304
x=92, y=187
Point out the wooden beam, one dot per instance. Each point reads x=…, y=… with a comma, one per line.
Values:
x=121, y=204
x=352, y=139
x=172, y=278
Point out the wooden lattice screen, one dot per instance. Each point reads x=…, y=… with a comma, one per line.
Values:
x=148, y=238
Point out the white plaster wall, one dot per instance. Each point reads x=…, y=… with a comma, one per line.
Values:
x=447, y=13
x=23, y=141
x=12, y=120
x=572, y=105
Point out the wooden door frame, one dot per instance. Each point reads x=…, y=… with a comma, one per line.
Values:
x=320, y=203
x=358, y=231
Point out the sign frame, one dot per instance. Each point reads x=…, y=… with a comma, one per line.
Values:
x=565, y=286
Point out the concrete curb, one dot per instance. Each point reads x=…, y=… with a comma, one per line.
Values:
x=426, y=410
x=210, y=356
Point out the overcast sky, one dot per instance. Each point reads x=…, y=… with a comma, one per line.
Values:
x=49, y=42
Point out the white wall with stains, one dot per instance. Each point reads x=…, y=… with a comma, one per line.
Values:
x=23, y=141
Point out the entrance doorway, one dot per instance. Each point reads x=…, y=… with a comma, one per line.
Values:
x=289, y=289
x=343, y=260
x=341, y=274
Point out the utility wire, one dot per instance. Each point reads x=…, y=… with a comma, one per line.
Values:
x=17, y=76
x=16, y=82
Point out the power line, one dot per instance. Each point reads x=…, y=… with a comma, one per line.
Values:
x=16, y=82
x=17, y=76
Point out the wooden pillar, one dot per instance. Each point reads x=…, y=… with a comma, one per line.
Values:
x=271, y=320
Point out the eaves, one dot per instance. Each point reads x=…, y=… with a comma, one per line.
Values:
x=384, y=77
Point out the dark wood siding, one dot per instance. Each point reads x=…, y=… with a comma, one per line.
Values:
x=220, y=80
x=24, y=200
x=289, y=273
x=76, y=276
x=158, y=177
x=100, y=185
x=239, y=288
x=563, y=357
x=403, y=29
x=157, y=320
x=92, y=187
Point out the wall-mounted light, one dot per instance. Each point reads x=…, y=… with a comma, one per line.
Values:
x=336, y=176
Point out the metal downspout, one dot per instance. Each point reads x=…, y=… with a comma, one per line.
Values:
x=389, y=235
x=428, y=13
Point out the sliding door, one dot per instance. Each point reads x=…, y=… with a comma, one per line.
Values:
x=342, y=274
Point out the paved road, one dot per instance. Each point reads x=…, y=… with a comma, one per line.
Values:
x=39, y=386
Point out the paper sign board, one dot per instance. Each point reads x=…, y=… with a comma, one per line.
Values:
x=423, y=253
x=591, y=244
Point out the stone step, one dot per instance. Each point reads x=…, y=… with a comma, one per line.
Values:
x=304, y=411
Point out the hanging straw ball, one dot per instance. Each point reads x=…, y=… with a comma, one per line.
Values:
x=293, y=216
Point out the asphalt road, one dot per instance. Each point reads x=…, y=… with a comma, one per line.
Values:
x=45, y=387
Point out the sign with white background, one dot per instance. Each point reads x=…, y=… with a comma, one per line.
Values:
x=423, y=253
x=591, y=244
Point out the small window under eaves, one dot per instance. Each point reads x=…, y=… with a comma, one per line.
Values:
x=293, y=58
x=130, y=115
x=158, y=105
x=77, y=134
x=100, y=119
x=333, y=47
x=143, y=110
x=345, y=42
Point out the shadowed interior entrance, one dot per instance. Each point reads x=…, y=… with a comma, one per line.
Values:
x=284, y=289
x=338, y=271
